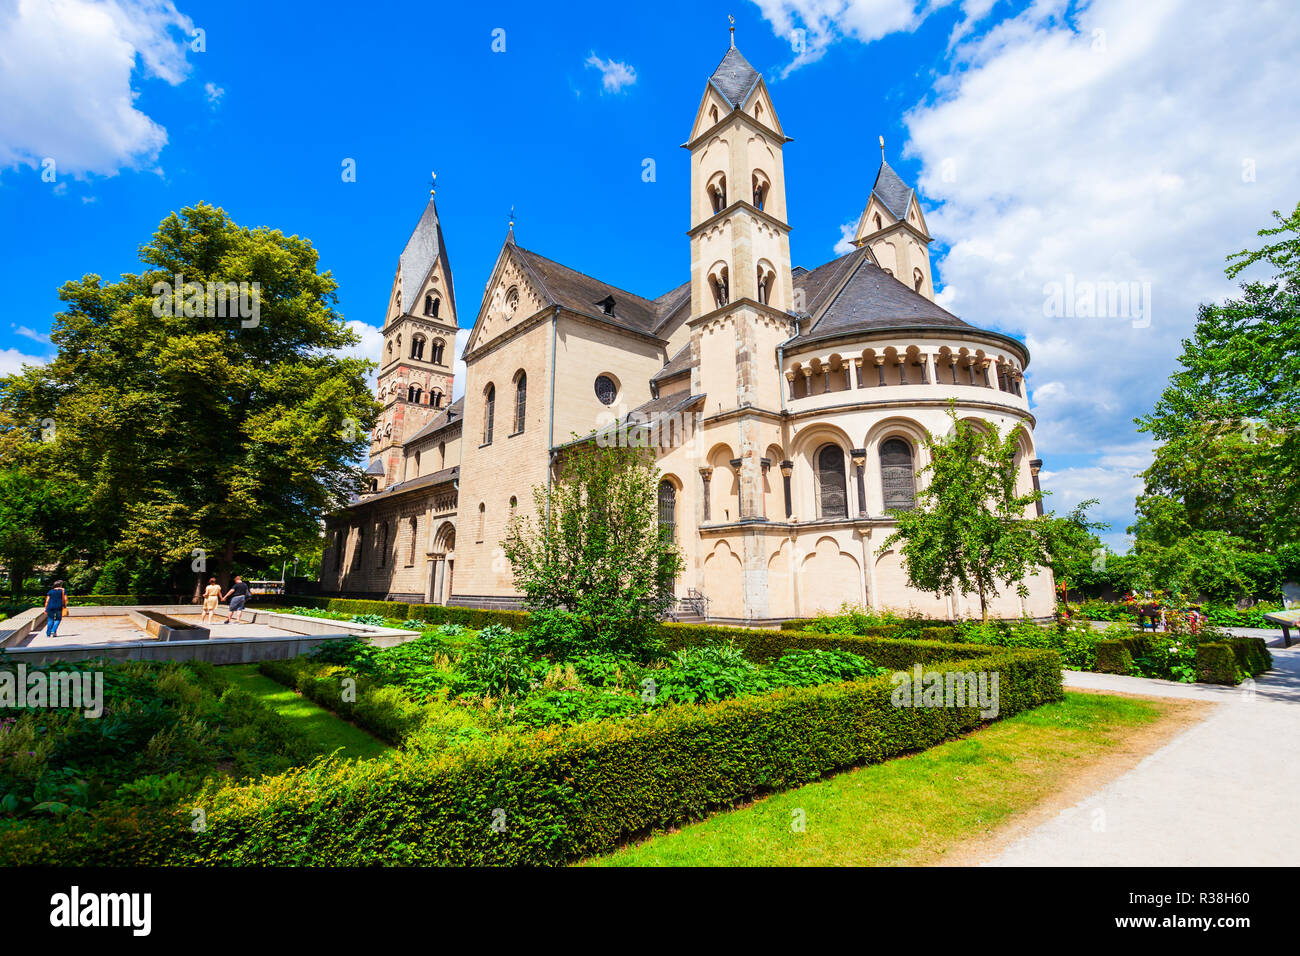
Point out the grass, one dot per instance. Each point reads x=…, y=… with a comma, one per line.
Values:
x=912, y=810
x=324, y=729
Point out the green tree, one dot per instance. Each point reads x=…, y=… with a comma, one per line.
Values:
x=969, y=532
x=190, y=429
x=1229, y=419
x=595, y=550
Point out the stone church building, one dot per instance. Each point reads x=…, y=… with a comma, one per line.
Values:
x=786, y=405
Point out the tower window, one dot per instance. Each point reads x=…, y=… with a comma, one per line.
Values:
x=417, y=347
x=720, y=287
x=918, y=280
x=438, y=347
x=428, y=305
x=717, y=190
x=512, y=301
x=713, y=113
x=413, y=394
x=761, y=187
x=879, y=224
x=435, y=399
x=489, y=410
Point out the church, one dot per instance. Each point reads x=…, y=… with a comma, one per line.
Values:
x=786, y=406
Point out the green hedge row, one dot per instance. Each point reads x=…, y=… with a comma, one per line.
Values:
x=1115, y=655
x=384, y=710
x=472, y=618
x=763, y=645
x=1232, y=660
x=558, y=794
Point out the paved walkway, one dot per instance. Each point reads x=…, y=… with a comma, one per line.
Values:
x=1226, y=791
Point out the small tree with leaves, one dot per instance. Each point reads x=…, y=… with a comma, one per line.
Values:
x=594, y=559
x=968, y=532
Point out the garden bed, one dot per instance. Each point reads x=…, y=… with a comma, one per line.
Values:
x=564, y=766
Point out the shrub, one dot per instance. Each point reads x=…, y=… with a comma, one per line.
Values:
x=496, y=666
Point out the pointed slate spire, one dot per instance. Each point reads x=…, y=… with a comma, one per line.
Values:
x=734, y=77
x=890, y=189
x=423, y=249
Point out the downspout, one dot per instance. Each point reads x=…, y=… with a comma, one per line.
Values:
x=550, y=424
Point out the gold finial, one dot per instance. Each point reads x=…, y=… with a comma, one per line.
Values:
x=433, y=183
x=512, y=217
x=732, y=21
x=882, y=149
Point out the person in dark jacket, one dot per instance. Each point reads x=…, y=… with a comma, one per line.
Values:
x=55, y=602
x=238, y=595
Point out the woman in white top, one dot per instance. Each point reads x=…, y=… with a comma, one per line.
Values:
x=211, y=598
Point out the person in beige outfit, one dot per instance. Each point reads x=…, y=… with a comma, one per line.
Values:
x=211, y=598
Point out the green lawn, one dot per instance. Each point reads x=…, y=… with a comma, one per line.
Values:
x=911, y=810
x=326, y=730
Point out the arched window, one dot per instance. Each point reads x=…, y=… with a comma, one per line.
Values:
x=435, y=399
x=668, y=509
x=918, y=280
x=428, y=305
x=383, y=542
x=832, y=494
x=879, y=224
x=717, y=190
x=414, y=394
x=442, y=455
x=436, y=357
x=521, y=401
x=489, y=412
x=766, y=278
x=512, y=302
x=415, y=526
x=437, y=303
x=482, y=519
x=417, y=464
x=761, y=187
x=713, y=114
x=897, y=483
x=417, y=347
x=720, y=286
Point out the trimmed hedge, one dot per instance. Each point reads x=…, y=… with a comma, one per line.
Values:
x=762, y=646
x=385, y=711
x=473, y=618
x=1232, y=660
x=1115, y=655
x=561, y=793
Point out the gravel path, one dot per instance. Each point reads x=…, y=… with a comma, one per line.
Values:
x=1224, y=792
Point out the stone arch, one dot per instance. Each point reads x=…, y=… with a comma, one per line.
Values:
x=803, y=451
x=895, y=427
x=724, y=503
x=723, y=581
x=828, y=577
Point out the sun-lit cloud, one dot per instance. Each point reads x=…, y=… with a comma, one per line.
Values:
x=615, y=76
x=66, y=81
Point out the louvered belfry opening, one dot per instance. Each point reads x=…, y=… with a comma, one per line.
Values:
x=897, y=481
x=831, y=488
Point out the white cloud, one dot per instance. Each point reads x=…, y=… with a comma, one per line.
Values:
x=214, y=93
x=614, y=75
x=32, y=334
x=845, y=244
x=1107, y=149
x=812, y=26
x=66, y=81
x=12, y=361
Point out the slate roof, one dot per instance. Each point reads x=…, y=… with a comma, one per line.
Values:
x=683, y=361
x=453, y=412
x=581, y=293
x=863, y=297
x=414, y=484
x=734, y=78
x=890, y=189
x=423, y=249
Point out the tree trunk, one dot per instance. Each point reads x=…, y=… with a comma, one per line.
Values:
x=984, y=606
x=224, y=576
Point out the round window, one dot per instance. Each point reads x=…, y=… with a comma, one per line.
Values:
x=606, y=390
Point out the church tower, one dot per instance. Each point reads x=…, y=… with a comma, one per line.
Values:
x=893, y=226
x=415, y=365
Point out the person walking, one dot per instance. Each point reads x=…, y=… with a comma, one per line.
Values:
x=55, y=602
x=211, y=598
x=238, y=595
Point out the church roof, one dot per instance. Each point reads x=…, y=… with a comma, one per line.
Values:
x=453, y=412
x=423, y=249
x=376, y=467
x=734, y=78
x=890, y=189
x=402, y=487
x=581, y=293
x=683, y=361
x=853, y=294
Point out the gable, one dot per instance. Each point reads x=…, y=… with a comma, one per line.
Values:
x=704, y=121
x=867, y=224
x=512, y=295
x=759, y=106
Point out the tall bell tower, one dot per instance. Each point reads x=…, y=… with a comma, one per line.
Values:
x=415, y=364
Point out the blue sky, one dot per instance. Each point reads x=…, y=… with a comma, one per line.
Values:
x=1052, y=143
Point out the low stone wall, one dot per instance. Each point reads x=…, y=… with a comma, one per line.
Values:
x=166, y=628
x=15, y=630
x=307, y=634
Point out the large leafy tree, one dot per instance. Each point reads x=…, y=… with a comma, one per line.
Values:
x=594, y=550
x=186, y=430
x=969, y=532
x=1229, y=419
